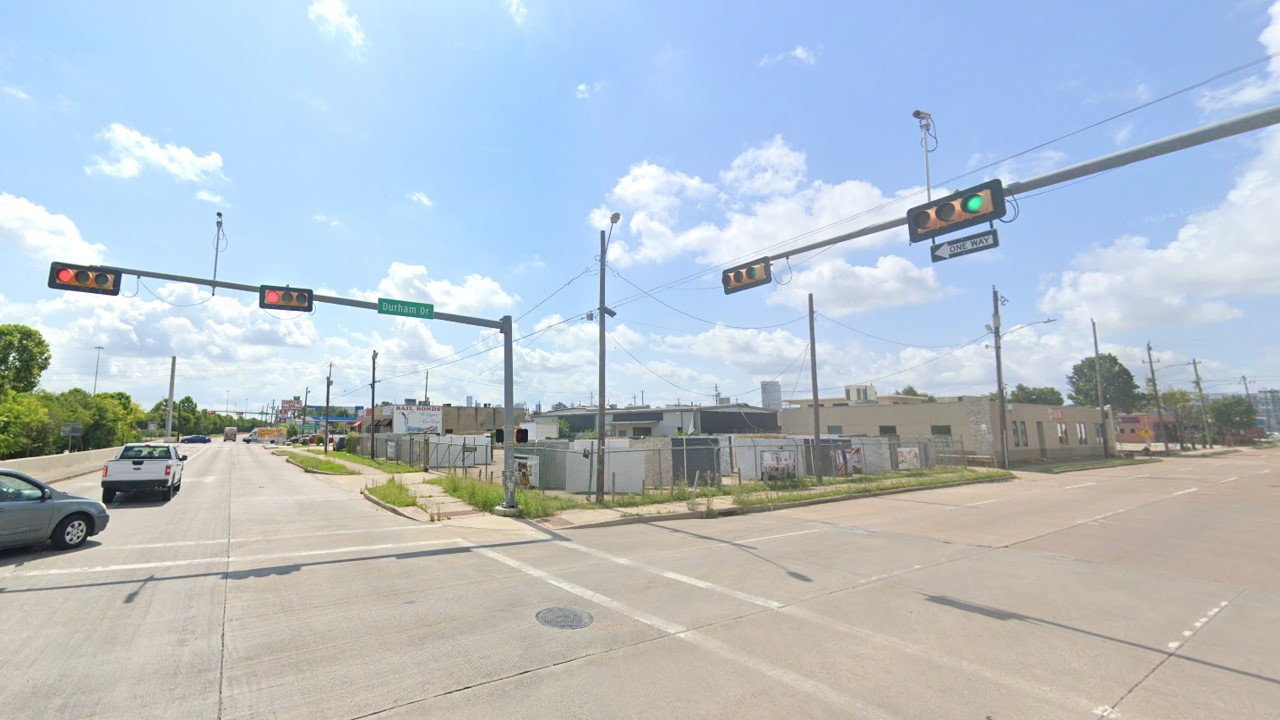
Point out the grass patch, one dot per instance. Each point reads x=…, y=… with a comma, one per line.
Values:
x=314, y=463
x=485, y=496
x=393, y=492
x=761, y=494
x=383, y=465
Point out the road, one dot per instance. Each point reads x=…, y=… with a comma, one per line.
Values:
x=1149, y=591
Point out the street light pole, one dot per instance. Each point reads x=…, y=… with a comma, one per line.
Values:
x=99, y=348
x=604, y=248
x=1097, y=372
x=926, y=126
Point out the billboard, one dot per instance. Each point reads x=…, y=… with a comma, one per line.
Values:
x=337, y=413
x=417, y=419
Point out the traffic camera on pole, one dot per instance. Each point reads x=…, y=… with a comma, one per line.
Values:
x=272, y=297
x=979, y=204
x=84, y=278
x=751, y=275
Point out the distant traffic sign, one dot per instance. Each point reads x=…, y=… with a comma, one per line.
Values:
x=406, y=309
x=966, y=245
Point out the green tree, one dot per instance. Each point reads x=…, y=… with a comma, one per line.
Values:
x=25, y=425
x=24, y=356
x=1119, y=389
x=910, y=391
x=562, y=428
x=1232, y=415
x=1182, y=406
x=1036, y=395
x=559, y=406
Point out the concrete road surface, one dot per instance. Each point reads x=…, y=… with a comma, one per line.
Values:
x=260, y=591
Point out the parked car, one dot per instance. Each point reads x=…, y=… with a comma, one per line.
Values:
x=32, y=512
x=196, y=439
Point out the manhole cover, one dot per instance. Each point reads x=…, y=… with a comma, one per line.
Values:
x=564, y=618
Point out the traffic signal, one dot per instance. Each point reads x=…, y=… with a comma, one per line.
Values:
x=747, y=276
x=272, y=297
x=84, y=278
x=979, y=204
x=522, y=436
x=499, y=436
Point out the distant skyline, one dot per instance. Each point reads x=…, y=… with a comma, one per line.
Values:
x=467, y=155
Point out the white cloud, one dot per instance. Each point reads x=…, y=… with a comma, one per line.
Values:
x=586, y=90
x=131, y=151
x=799, y=55
x=1121, y=135
x=15, y=92
x=332, y=221
x=1251, y=90
x=517, y=10
x=332, y=18
x=210, y=197
x=37, y=233
x=770, y=169
x=1222, y=252
x=420, y=198
x=410, y=282
x=848, y=289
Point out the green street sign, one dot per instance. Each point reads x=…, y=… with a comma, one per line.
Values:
x=404, y=308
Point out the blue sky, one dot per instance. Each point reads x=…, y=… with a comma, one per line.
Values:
x=468, y=154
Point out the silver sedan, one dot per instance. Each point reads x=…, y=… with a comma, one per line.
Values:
x=32, y=512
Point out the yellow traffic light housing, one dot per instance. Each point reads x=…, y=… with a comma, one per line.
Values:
x=751, y=275
x=273, y=297
x=84, y=278
x=979, y=204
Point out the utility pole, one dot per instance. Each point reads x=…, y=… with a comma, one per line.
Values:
x=1204, y=416
x=813, y=377
x=373, y=405
x=99, y=348
x=603, y=310
x=306, y=396
x=426, y=384
x=1097, y=371
x=1000, y=411
x=1156, y=390
x=173, y=371
x=328, y=383
x=1245, y=380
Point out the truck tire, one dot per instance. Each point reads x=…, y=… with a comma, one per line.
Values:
x=108, y=496
x=168, y=493
x=71, y=532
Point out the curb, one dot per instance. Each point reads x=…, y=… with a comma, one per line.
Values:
x=391, y=508
x=294, y=463
x=736, y=510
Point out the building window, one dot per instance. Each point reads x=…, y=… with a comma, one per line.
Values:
x=641, y=432
x=1022, y=424
x=835, y=429
x=940, y=430
x=1082, y=433
x=1017, y=439
x=886, y=430
x=1062, y=433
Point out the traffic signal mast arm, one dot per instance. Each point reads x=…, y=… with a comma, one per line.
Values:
x=1217, y=131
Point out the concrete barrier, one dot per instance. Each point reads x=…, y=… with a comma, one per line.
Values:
x=52, y=468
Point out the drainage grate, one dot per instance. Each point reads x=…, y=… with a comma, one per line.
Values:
x=564, y=618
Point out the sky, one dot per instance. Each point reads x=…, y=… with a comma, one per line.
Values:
x=468, y=154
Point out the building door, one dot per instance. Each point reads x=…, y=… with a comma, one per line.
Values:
x=1044, y=449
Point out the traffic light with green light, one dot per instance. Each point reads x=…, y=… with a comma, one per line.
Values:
x=272, y=297
x=979, y=204
x=742, y=277
x=84, y=278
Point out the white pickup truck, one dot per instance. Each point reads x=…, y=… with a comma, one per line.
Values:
x=143, y=466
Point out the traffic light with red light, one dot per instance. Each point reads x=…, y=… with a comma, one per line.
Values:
x=522, y=436
x=84, y=278
x=272, y=297
x=979, y=204
x=742, y=277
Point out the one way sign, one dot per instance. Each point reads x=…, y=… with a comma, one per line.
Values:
x=966, y=245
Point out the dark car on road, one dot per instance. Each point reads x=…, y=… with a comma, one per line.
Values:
x=196, y=439
x=32, y=512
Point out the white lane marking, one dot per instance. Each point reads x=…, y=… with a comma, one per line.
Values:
x=1230, y=479
x=243, y=559
x=1106, y=711
x=774, y=537
x=1264, y=472
x=1196, y=626
x=1072, y=487
x=272, y=538
x=1184, y=492
x=753, y=599
x=976, y=504
x=1140, y=476
x=795, y=680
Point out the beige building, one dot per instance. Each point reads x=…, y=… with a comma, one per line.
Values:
x=1036, y=432
x=457, y=420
